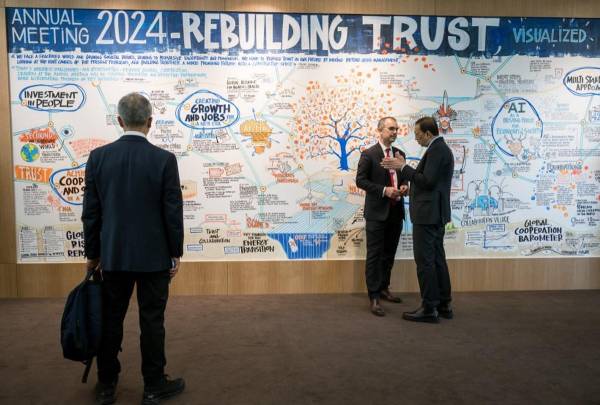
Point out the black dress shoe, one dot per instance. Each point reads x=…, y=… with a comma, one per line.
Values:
x=445, y=311
x=422, y=315
x=164, y=389
x=106, y=394
x=376, y=309
x=387, y=295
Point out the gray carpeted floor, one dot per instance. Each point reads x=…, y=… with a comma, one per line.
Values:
x=509, y=348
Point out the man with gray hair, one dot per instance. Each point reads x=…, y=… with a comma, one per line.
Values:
x=133, y=228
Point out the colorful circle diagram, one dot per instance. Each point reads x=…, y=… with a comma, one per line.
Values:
x=517, y=129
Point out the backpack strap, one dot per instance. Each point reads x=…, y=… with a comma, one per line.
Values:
x=91, y=274
x=86, y=372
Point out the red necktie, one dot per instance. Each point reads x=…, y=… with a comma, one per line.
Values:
x=392, y=174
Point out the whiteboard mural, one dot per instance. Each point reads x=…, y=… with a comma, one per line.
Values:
x=268, y=114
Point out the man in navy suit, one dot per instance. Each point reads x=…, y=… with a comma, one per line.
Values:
x=133, y=228
x=429, y=208
x=384, y=212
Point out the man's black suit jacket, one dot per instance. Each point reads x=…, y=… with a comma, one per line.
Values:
x=373, y=178
x=132, y=206
x=430, y=185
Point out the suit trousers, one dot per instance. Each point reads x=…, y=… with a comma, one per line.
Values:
x=382, y=242
x=432, y=269
x=152, y=295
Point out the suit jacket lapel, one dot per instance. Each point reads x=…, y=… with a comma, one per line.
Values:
x=431, y=145
x=380, y=151
x=422, y=161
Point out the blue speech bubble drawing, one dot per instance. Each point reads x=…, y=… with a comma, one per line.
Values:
x=76, y=188
x=67, y=97
x=516, y=122
x=583, y=81
x=204, y=110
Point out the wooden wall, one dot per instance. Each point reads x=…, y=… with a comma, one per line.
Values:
x=53, y=280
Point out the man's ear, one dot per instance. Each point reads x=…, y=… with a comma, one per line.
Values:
x=121, y=123
x=149, y=122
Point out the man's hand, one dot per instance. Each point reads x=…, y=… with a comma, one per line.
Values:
x=391, y=192
x=403, y=190
x=93, y=264
x=175, y=267
x=395, y=163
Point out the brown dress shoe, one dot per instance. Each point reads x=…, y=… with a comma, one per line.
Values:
x=387, y=295
x=376, y=309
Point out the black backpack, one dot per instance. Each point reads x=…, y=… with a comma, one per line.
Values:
x=81, y=325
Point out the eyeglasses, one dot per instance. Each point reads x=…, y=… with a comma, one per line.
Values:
x=392, y=129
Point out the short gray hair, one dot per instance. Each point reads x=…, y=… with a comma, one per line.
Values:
x=382, y=121
x=134, y=109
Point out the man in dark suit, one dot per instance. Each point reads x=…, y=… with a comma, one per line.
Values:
x=384, y=212
x=429, y=210
x=133, y=228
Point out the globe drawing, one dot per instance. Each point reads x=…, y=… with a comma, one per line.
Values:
x=30, y=152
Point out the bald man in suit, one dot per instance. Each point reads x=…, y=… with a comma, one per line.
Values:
x=384, y=213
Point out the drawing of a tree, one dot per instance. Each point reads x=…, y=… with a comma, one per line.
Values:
x=340, y=119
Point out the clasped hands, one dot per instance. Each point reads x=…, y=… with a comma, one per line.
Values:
x=395, y=163
x=396, y=193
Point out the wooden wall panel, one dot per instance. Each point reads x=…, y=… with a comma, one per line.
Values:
x=290, y=6
x=8, y=281
x=123, y=4
x=200, y=278
x=281, y=277
x=340, y=276
x=406, y=7
x=404, y=276
x=53, y=280
x=7, y=210
x=48, y=280
x=258, y=277
x=521, y=8
x=524, y=274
